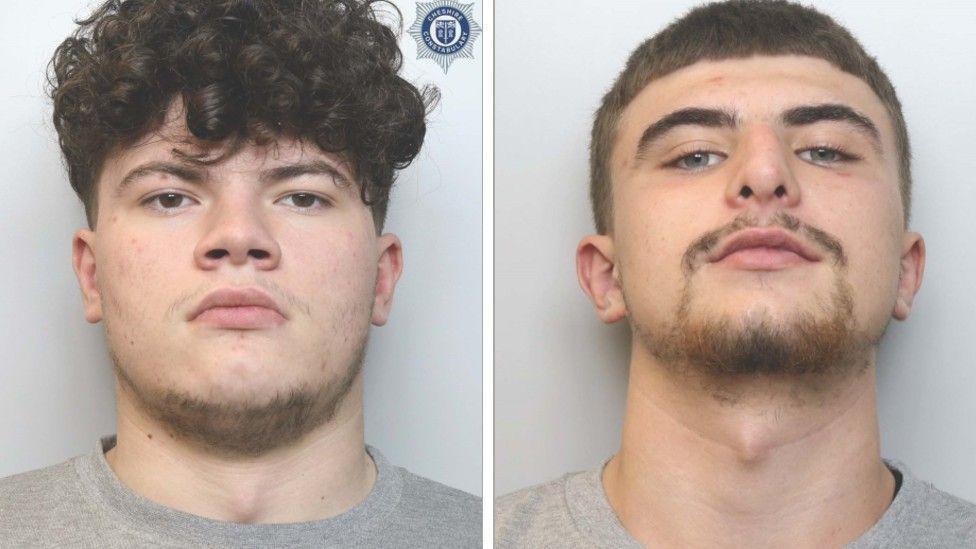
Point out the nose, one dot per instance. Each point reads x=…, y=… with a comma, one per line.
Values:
x=237, y=234
x=764, y=181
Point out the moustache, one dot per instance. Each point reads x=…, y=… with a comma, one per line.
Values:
x=703, y=246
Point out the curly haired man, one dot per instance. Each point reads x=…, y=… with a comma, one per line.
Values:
x=235, y=160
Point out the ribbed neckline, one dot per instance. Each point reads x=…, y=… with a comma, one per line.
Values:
x=146, y=517
x=597, y=521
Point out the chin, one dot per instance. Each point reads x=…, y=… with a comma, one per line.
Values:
x=752, y=310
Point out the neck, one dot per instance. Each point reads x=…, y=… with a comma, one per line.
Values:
x=765, y=468
x=323, y=475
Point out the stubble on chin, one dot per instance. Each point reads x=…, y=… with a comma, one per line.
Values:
x=243, y=429
x=249, y=428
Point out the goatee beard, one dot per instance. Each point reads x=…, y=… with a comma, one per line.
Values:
x=808, y=352
x=812, y=352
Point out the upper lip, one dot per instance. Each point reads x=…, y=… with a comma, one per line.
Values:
x=236, y=297
x=767, y=238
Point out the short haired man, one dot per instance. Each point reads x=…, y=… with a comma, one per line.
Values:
x=235, y=159
x=750, y=182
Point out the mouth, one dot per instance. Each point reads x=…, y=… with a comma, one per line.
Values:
x=238, y=308
x=764, y=250
x=245, y=317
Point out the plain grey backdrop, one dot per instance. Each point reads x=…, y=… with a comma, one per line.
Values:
x=423, y=369
x=560, y=374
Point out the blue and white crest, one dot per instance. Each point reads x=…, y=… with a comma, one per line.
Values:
x=445, y=31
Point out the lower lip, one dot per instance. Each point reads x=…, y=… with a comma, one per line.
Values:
x=247, y=318
x=762, y=259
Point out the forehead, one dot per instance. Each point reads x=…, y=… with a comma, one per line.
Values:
x=174, y=134
x=758, y=88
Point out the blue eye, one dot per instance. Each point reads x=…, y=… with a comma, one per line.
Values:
x=698, y=160
x=823, y=155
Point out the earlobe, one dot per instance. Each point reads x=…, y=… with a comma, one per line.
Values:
x=910, y=276
x=83, y=261
x=389, y=265
x=599, y=277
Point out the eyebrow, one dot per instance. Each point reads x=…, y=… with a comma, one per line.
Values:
x=198, y=176
x=833, y=112
x=803, y=115
x=182, y=171
x=315, y=167
x=692, y=116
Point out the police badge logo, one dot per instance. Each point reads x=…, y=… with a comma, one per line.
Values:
x=445, y=31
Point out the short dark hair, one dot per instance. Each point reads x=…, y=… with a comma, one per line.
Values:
x=247, y=71
x=731, y=30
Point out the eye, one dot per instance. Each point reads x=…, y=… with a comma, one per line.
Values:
x=167, y=202
x=305, y=201
x=824, y=155
x=698, y=160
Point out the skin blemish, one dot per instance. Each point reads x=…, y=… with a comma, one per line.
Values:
x=844, y=174
x=149, y=435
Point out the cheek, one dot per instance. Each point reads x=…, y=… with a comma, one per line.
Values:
x=130, y=261
x=342, y=262
x=649, y=248
x=874, y=276
x=139, y=262
x=873, y=266
x=138, y=276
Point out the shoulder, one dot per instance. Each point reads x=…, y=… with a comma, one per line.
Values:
x=424, y=499
x=537, y=516
x=438, y=511
x=38, y=489
x=941, y=515
x=539, y=499
x=922, y=515
x=439, y=498
x=39, y=501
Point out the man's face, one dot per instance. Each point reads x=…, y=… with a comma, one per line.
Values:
x=769, y=142
x=277, y=220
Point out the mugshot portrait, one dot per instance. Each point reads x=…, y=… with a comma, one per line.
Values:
x=561, y=375
x=421, y=375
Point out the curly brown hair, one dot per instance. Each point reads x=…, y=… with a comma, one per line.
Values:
x=247, y=71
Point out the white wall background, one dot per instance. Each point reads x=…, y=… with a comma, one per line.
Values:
x=423, y=370
x=560, y=374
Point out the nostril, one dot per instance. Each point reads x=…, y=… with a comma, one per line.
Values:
x=216, y=254
x=259, y=254
x=746, y=192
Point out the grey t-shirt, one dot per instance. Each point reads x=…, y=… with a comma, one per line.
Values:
x=81, y=503
x=573, y=511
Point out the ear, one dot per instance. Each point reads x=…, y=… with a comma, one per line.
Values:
x=598, y=276
x=910, y=278
x=83, y=261
x=388, y=268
